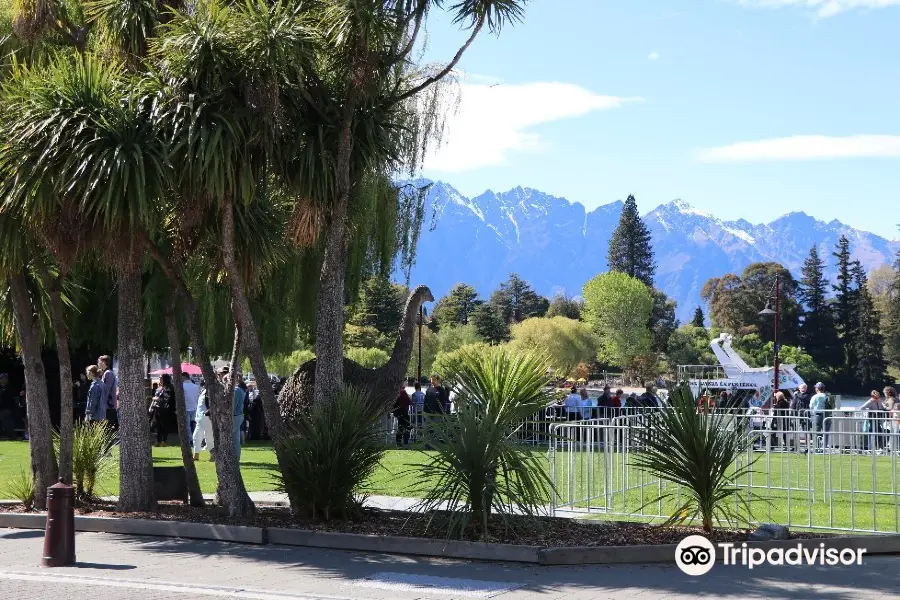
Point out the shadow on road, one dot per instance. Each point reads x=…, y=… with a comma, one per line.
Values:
x=876, y=575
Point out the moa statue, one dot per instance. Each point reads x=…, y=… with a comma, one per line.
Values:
x=380, y=384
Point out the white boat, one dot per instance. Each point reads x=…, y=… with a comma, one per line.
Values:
x=735, y=376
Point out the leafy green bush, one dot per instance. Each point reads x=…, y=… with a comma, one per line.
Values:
x=477, y=467
x=335, y=448
x=21, y=487
x=91, y=457
x=697, y=451
x=371, y=358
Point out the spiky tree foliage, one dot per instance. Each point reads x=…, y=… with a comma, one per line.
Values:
x=80, y=140
x=696, y=451
x=477, y=469
x=372, y=113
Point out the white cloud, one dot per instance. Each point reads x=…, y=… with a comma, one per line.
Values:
x=806, y=147
x=823, y=8
x=653, y=55
x=492, y=121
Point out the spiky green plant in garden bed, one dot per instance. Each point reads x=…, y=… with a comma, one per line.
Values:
x=698, y=452
x=476, y=467
x=21, y=487
x=92, y=456
x=328, y=458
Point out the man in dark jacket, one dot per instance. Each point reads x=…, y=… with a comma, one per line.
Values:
x=800, y=407
x=604, y=403
x=648, y=398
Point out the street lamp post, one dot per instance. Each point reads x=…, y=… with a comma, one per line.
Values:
x=775, y=313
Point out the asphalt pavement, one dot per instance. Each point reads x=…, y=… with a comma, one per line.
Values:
x=118, y=567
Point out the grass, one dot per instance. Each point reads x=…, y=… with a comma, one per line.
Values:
x=581, y=484
x=395, y=477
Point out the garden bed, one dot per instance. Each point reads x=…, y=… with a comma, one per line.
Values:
x=526, y=531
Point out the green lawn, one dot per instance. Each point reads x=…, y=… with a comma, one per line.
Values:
x=396, y=477
x=620, y=490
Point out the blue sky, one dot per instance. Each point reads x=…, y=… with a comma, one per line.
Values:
x=743, y=108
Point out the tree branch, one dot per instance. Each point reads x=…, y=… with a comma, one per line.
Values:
x=418, y=15
x=443, y=72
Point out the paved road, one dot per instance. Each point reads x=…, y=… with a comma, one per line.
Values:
x=116, y=567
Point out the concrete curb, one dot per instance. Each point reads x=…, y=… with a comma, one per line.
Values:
x=404, y=545
x=588, y=555
x=200, y=531
x=593, y=555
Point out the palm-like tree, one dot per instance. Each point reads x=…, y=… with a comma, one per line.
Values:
x=22, y=301
x=80, y=139
x=367, y=112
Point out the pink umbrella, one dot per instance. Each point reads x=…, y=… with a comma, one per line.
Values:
x=185, y=368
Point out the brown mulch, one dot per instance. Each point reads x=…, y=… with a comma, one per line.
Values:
x=528, y=531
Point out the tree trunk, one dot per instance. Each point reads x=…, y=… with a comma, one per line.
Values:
x=250, y=338
x=43, y=462
x=330, y=309
x=249, y=335
x=231, y=491
x=66, y=412
x=184, y=434
x=136, y=491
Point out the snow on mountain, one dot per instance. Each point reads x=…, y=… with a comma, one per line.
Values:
x=557, y=245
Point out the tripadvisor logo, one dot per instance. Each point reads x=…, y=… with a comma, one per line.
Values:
x=695, y=555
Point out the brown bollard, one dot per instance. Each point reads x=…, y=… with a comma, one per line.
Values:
x=59, y=536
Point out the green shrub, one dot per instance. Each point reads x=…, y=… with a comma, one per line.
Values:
x=477, y=468
x=335, y=448
x=21, y=487
x=91, y=456
x=371, y=358
x=696, y=451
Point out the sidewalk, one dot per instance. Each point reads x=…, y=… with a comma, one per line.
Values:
x=118, y=567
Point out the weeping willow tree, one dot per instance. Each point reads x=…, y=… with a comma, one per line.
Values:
x=368, y=111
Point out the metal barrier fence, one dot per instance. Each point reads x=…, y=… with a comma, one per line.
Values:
x=838, y=472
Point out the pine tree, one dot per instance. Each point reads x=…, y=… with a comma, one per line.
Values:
x=631, y=248
x=892, y=320
x=868, y=342
x=380, y=305
x=817, y=330
x=662, y=320
x=490, y=323
x=564, y=306
x=844, y=311
x=457, y=306
x=517, y=301
x=699, y=319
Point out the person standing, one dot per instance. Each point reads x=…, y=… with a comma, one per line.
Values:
x=604, y=403
x=7, y=408
x=191, y=399
x=110, y=385
x=95, y=407
x=237, y=413
x=162, y=413
x=204, y=429
x=817, y=405
x=573, y=405
x=401, y=413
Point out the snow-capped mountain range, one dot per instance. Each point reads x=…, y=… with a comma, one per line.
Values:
x=557, y=245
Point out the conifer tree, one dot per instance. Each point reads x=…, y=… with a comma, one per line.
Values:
x=631, y=249
x=457, y=306
x=817, y=329
x=892, y=320
x=517, y=301
x=699, y=319
x=868, y=342
x=844, y=311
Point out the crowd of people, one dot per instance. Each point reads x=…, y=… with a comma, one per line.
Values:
x=96, y=399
